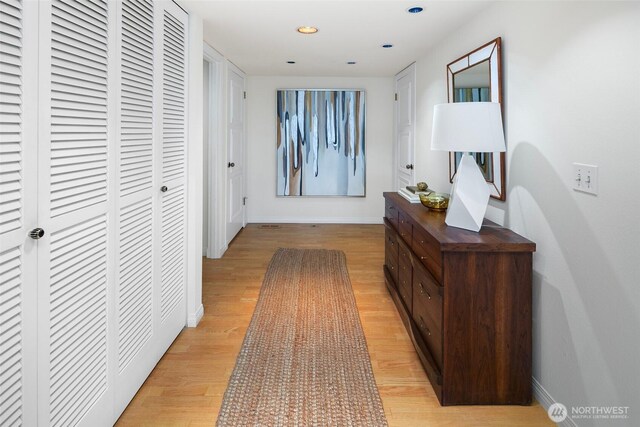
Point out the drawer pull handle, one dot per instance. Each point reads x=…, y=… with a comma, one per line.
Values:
x=392, y=267
x=422, y=257
x=423, y=292
x=422, y=242
x=422, y=326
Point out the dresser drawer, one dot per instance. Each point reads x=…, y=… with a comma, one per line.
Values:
x=428, y=295
x=391, y=243
x=405, y=228
x=427, y=250
x=392, y=265
x=428, y=328
x=405, y=276
x=391, y=250
x=391, y=213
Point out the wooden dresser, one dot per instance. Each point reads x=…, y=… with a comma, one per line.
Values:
x=465, y=299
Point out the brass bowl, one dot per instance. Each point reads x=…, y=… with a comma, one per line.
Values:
x=435, y=201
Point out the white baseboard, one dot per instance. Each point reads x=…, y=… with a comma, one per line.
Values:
x=221, y=251
x=194, y=319
x=544, y=398
x=216, y=253
x=317, y=220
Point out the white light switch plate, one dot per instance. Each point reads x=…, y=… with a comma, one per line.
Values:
x=585, y=178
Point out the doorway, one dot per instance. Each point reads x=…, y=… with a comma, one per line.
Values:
x=405, y=119
x=235, y=151
x=213, y=228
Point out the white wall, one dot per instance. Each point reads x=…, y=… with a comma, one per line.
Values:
x=572, y=94
x=262, y=203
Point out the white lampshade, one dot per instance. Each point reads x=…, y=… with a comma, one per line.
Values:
x=468, y=127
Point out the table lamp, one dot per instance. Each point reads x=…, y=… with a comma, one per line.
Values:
x=468, y=127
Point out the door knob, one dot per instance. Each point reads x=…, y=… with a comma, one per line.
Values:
x=409, y=166
x=36, y=233
x=231, y=164
x=164, y=189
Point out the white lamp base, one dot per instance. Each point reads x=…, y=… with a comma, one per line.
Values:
x=469, y=196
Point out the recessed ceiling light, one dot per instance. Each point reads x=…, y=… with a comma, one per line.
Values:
x=415, y=9
x=291, y=62
x=387, y=46
x=307, y=30
x=351, y=62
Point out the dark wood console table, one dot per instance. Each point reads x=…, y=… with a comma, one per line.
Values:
x=465, y=300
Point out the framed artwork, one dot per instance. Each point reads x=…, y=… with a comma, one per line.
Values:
x=320, y=142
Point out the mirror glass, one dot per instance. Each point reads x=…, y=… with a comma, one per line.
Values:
x=473, y=85
x=476, y=77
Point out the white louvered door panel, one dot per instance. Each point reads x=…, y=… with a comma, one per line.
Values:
x=135, y=171
x=172, y=141
x=74, y=293
x=18, y=185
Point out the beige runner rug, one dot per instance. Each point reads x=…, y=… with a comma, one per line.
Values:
x=304, y=359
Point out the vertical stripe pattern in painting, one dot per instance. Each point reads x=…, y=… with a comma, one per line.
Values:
x=320, y=143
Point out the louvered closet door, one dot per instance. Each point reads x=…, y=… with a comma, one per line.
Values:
x=172, y=146
x=18, y=254
x=136, y=353
x=73, y=257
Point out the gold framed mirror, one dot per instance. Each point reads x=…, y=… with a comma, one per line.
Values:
x=477, y=77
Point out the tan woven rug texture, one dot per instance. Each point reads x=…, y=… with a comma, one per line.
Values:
x=304, y=359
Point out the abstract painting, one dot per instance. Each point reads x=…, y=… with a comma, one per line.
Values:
x=320, y=142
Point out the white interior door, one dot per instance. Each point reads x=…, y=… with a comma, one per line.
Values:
x=150, y=286
x=171, y=270
x=18, y=209
x=73, y=207
x=206, y=125
x=405, y=126
x=136, y=202
x=235, y=153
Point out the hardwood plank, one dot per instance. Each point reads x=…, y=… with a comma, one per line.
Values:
x=187, y=385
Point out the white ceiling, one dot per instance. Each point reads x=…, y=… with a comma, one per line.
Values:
x=259, y=36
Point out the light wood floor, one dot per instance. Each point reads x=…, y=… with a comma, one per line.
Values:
x=187, y=386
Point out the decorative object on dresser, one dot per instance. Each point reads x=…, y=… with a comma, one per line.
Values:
x=422, y=186
x=465, y=300
x=477, y=77
x=468, y=127
x=411, y=196
x=435, y=201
